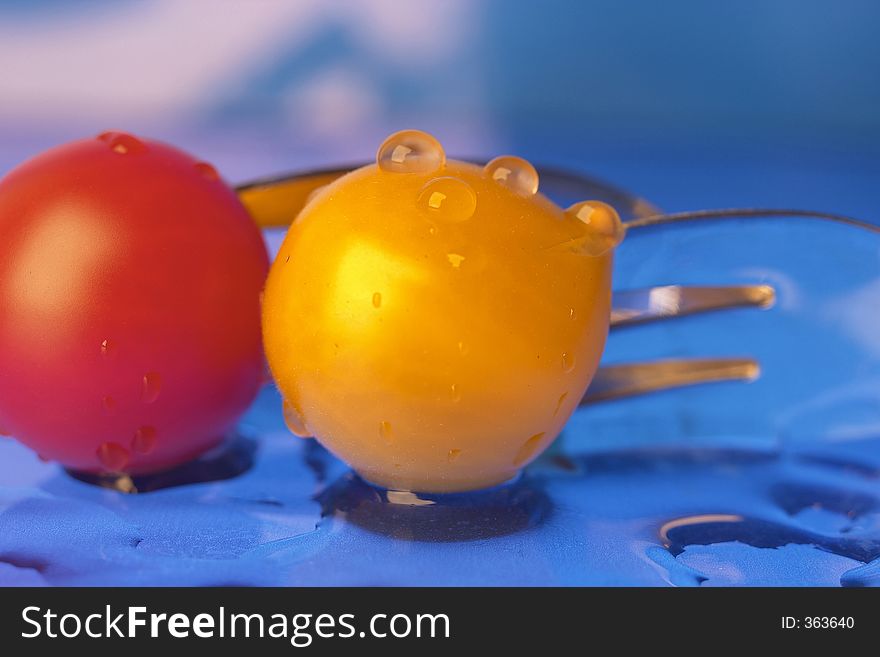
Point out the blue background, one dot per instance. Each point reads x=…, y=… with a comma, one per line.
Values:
x=690, y=104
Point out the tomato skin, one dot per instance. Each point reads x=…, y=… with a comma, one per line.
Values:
x=456, y=316
x=130, y=277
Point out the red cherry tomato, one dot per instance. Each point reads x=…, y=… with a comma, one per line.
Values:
x=130, y=277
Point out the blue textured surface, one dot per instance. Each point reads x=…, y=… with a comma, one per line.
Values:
x=775, y=482
x=744, y=517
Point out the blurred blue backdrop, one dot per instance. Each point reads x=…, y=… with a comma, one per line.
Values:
x=691, y=103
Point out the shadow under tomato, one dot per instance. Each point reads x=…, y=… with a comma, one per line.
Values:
x=457, y=517
x=230, y=459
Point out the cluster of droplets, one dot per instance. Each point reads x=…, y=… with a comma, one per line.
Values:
x=123, y=143
x=447, y=197
x=113, y=456
x=453, y=200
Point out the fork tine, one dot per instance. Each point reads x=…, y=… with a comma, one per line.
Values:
x=668, y=301
x=630, y=379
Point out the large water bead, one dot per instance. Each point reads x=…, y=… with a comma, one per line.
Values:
x=604, y=228
x=449, y=199
x=410, y=151
x=514, y=173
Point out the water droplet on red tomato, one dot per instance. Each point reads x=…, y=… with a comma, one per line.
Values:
x=113, y=456
x=208, y=171
x=108, y=405
x=123, y=143
x=108, y=348
x=144, y=440
x=152, y=386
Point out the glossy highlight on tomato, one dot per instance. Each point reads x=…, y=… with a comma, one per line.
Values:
x=454, y=316
x=130, y=277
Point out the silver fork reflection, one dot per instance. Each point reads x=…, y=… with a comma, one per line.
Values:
x=640, y=306
x=667, y=301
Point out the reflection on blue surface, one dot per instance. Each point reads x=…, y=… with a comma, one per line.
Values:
x=231, y=458
x=403, y=515
x=634, y=517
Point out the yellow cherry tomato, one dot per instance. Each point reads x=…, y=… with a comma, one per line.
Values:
x=434, y=323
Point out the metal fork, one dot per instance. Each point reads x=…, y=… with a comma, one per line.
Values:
x=275, y=202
